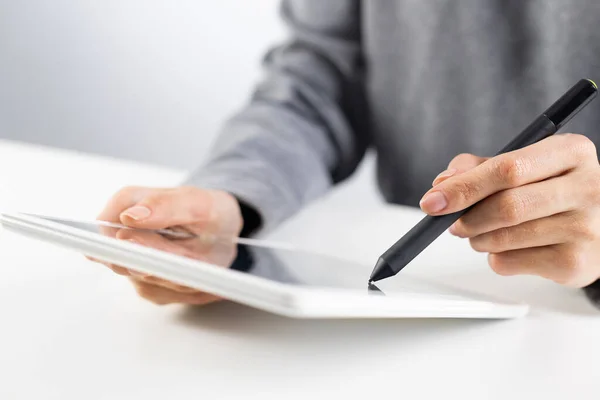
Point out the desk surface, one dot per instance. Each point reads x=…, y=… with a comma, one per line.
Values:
x=73, y=329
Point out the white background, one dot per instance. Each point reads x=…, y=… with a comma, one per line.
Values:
x=148, y=80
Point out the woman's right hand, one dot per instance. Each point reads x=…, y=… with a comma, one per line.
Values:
x=206, y=213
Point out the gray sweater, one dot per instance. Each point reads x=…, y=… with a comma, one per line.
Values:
x=419, y=81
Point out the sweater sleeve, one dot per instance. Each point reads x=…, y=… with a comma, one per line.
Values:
x=593, y=293
x=305, y=126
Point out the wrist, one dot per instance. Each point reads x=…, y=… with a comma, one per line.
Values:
x=251, y=219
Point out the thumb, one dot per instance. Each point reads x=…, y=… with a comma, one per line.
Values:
x=459, y=164
x=170, y=207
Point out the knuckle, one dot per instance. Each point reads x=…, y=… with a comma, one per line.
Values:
x=188, y=190
x=581, y=145
x=119, y=270
x=461, y=229
x=499, y=238
x=156, y=200
x=200, y=202
x=155, y=293
x=499, y=265
x=512, y=171
x=573, y=262
x=203, y=211
x=148, y=292
x=461, y=159
x=468, y=190
x=592, y=183
x=126, y=192
x=511, y=208
x=583, y=228
x=562, y=279
x=144, y=290
x=117, y=201
x=478, y=245
x=495, y=241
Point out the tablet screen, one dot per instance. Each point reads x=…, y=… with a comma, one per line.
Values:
x=283, y=265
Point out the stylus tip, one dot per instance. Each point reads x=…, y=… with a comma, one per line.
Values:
x=381, y=271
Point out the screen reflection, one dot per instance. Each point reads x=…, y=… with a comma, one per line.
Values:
x=285, y=265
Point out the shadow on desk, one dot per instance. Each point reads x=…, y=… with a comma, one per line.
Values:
x=341, y=335
x=542, y=295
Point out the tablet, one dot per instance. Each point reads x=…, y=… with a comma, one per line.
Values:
x=272, y=277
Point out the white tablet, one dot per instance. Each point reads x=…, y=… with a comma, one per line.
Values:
x=274, y=278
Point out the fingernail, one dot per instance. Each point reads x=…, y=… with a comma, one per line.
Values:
x=443, y=176
x=433, y=202
x=137, y=212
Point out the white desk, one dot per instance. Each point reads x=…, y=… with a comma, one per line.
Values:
x=72, y=329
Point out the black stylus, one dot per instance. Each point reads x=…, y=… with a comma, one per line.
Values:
x=425, y=232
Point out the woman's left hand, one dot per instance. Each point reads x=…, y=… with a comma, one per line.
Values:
x=538, y=211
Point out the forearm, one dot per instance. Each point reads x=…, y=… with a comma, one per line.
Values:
x=305, y=126
x=262, y=160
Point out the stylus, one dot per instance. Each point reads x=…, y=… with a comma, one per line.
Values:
x=425, y=232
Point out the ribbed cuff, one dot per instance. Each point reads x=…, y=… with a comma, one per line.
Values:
x=593, y=293
x=252, y=219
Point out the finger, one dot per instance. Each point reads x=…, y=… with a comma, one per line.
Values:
x=93, y=259
x=561, y=228
x=161, y=295
x=550, y=157
x=164, y=283
x=179, y=206
x=122, y=200
x=562, y=263
x=156, y=241
x=458, y=165
x=464, y=162
x=108, y=231
x=515, y=206
x=220, y=252
x=116, y=268
x=147, y=278
x=192, y=248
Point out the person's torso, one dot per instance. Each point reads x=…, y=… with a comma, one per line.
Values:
x=454, y=76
